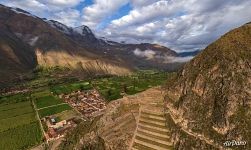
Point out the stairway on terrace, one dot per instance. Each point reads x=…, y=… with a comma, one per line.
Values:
x=151, y=132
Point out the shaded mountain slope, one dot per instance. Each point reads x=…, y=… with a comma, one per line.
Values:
x=212, y=95
x=15, y=56
x=51, y=47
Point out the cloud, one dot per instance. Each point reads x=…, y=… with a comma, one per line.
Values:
x=101, y=9
x=60, y=10
x=180, y=59
x=69, y=17
x=33, y=6
x=62, y=3
x=149, y=54
x=180, y=25
x=147, y=13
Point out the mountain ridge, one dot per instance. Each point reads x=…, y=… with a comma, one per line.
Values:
x=211, y=95
x=54, y=43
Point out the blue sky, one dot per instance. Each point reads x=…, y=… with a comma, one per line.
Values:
x=182, y=25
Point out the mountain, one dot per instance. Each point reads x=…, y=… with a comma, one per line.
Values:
x=12, y=60
x=35, y=41
x=209, y=101
x=141, y=56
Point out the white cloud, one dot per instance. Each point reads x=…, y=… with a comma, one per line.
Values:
x=62, y=3
x=149, y=54
x=101, y=9
x=33, y=6
x=178, y=24
x=179, y=59
x=181, y=24
x=69, y=17
x=140, y=3
x=144, y=14
x=60, y=10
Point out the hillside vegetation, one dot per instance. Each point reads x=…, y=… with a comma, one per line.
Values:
x=211, y=95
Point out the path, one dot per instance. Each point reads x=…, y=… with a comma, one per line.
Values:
x=52, y=106
x=40, y=123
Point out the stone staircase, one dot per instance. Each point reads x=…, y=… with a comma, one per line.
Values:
x=151, y=132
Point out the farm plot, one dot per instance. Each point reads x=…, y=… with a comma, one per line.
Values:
x=9, y=114
x=68, y=88
x=47, y=104
x=19, y=128
x=53, y=110
x=47, y=100
x=21, y=137
x=14, y=99
x=115, y=87
x=67, y=115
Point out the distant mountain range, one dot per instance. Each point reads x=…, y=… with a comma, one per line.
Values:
x=27, y=41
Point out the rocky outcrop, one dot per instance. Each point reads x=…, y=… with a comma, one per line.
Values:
x=211, y=95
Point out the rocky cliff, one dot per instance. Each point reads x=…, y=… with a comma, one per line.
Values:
x=211, y=96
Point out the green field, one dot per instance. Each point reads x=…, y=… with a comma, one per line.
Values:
x=10, y=106
x=53, y=110
x=67, y=115
x=21, y=137
x=19, y=128
x=47, y=100
x=113, y=87
x=14, y=99
x=68, y=88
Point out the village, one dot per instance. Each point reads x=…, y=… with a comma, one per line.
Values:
x=88, y=103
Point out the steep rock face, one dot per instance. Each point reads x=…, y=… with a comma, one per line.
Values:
x=81, y=63
x=212, y=95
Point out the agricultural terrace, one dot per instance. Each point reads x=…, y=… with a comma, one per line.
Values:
x=19, y=127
